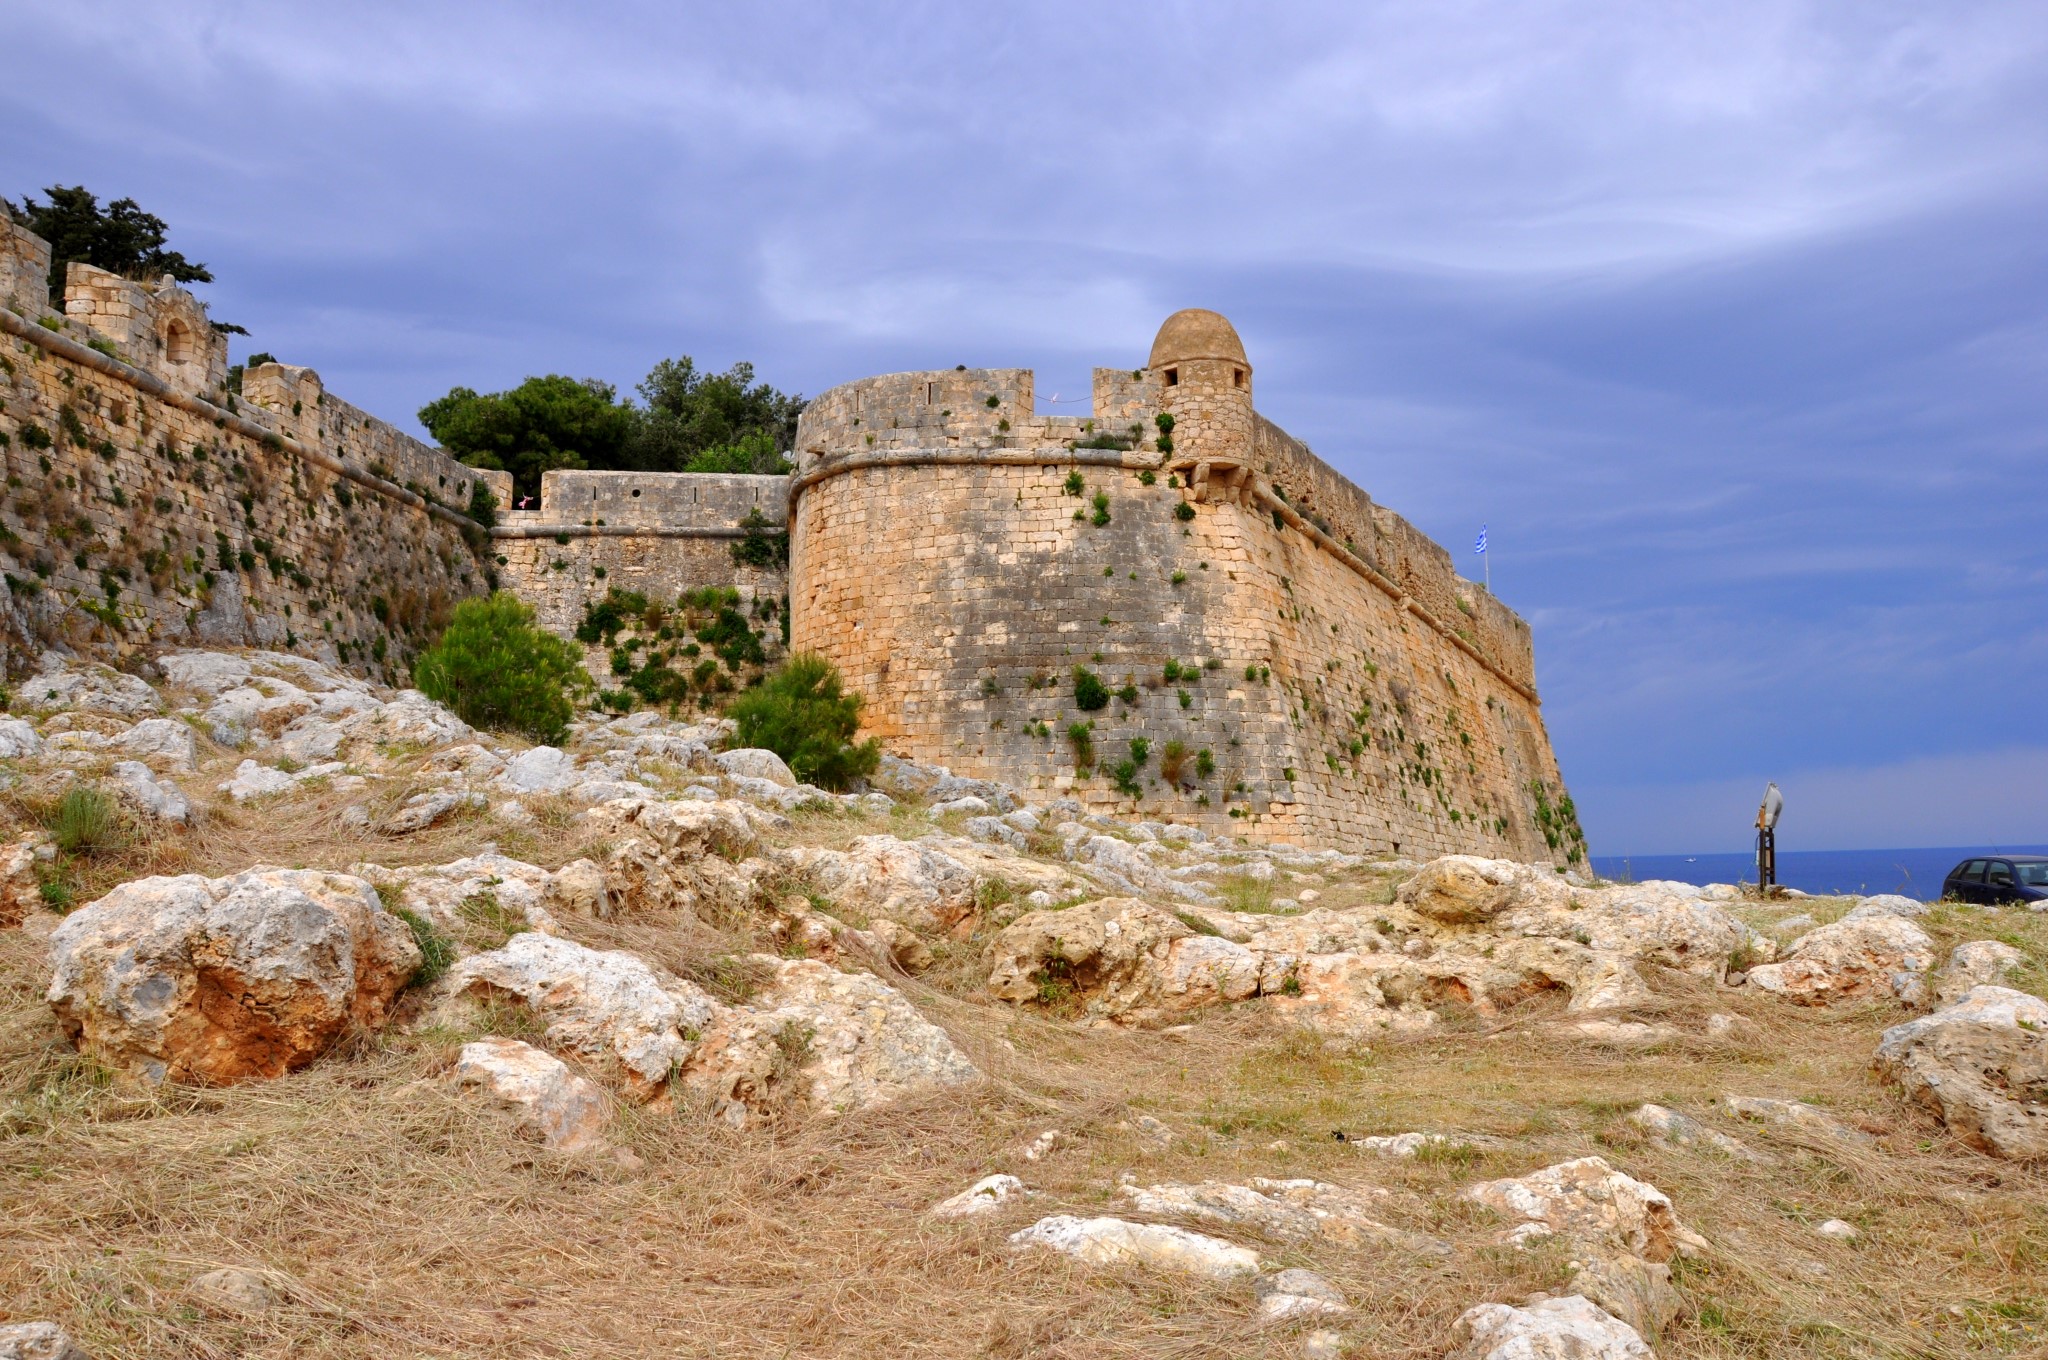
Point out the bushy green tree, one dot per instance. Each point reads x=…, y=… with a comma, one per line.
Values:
x=542, y=424
x=712, y=422
x=803, y=714
x=120, y=236
x=497, y=670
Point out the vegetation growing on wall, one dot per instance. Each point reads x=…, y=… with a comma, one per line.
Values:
x=703, y=647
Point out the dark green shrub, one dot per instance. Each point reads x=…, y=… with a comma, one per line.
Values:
x=1141, y=750
x=1090, y=693
x=803, y=715
x=1074, y=484
x=1205, y=763
x=1183, y=511
x=761, y=548
x=495, y=669
x=1082, y=737
x=483, y=506
x=1101, y=515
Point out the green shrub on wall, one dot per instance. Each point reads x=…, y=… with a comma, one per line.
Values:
x=497, y=670
x=803, y=715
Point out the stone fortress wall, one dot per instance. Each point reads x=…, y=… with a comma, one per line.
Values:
x=1245, y=600
x=1303, y=663
x=660, y=534
x=147, y=505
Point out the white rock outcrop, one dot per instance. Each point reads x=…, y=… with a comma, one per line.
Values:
x=1981, y=1065
x=985, y=1196
x=836, y=1041
x=1623, y=1233
x=1569, y=1328
x=222, y=980
x=547, y=1100
x=1118, y=1242
x=608, y=1005
x=1856, y=958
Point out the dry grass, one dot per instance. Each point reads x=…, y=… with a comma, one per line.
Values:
x=404, y=1222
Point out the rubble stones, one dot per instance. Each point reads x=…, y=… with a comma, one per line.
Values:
x=221, y=980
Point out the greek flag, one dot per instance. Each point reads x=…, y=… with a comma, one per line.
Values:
x=1480, y=546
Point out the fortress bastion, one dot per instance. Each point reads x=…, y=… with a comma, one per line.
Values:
x=1286, y=660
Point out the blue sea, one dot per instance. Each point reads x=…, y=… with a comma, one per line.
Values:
x=1910, y=873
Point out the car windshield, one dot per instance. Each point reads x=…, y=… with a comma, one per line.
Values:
x=2033, y=875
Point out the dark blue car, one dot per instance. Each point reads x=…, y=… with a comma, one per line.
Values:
x=1995, y=879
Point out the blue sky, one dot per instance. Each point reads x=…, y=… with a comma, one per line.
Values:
x=1730, y=319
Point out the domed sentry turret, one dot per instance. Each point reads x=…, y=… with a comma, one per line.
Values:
x=1206, y=385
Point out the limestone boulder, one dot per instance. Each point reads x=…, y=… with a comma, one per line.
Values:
x=430, y=809
x=86, y=687
x=1124, y=868
x=544, y=769
x=1622, y=1232
x=1794, y=1117
x=1668, y=1126
x=449, y=894
x=18, y=740
x=828, y=1041
x=1981, y=1065
x=608, y=1005
x=1117, y=1242
x=752, y=762
x=985, y=1196
x=675, y=856
x=161, y=741
x=910, y=882
x=38, y=1341
x=1569, y=1328
x=156, y=798
x=1676, y=930
x=1122, y=958
x=1976, y=963
x=547, y=1100
x=1872, y=957
x=1357, y=994
x=1291, y=1210
x=1469, y=890
x=409, y=719
x=1297, y=1293
x=223, y=980
x=233, y=1290
x=252, y=781
x=20, y=884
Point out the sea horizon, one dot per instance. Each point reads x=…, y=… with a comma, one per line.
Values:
x=1915, y=872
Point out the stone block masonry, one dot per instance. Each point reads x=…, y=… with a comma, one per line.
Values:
x=146, y=505
x=1286, y=660
x=659, y=534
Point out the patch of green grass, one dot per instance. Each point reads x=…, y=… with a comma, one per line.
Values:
x=87, y=821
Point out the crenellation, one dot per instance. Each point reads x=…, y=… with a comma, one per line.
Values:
x=1238, y=596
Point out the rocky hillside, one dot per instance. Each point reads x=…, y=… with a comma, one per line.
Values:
x=332, y=1027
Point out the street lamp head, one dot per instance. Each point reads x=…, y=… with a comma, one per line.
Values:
x=1773, y=804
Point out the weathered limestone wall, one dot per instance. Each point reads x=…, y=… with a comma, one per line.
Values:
x=143, y=511
x=661, y=534
x=1347, y=687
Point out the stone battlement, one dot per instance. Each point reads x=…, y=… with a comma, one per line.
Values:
x=1303, y=662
